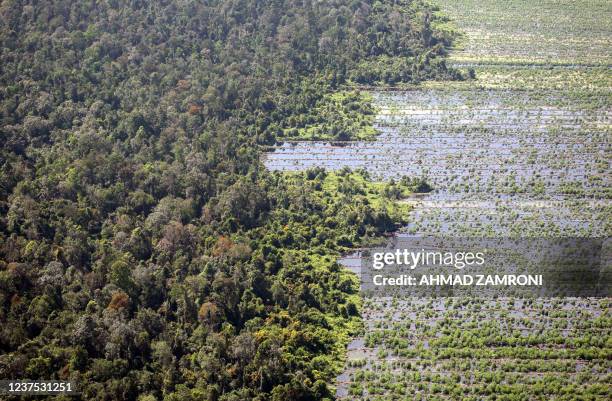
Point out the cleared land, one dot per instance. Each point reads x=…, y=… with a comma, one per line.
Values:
x=525, y=32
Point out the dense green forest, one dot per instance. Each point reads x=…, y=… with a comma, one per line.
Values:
x=145, y=252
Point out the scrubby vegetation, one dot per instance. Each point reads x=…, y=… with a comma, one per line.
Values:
x=144, y=250
x=338, y=116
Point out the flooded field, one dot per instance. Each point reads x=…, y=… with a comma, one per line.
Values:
x=494, y=142
x=541, y=163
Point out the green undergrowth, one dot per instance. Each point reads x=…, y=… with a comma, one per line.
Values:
x=339, y=116
x=379, y=194
x=355, y=208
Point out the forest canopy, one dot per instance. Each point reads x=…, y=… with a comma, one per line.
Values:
x=145, y=252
